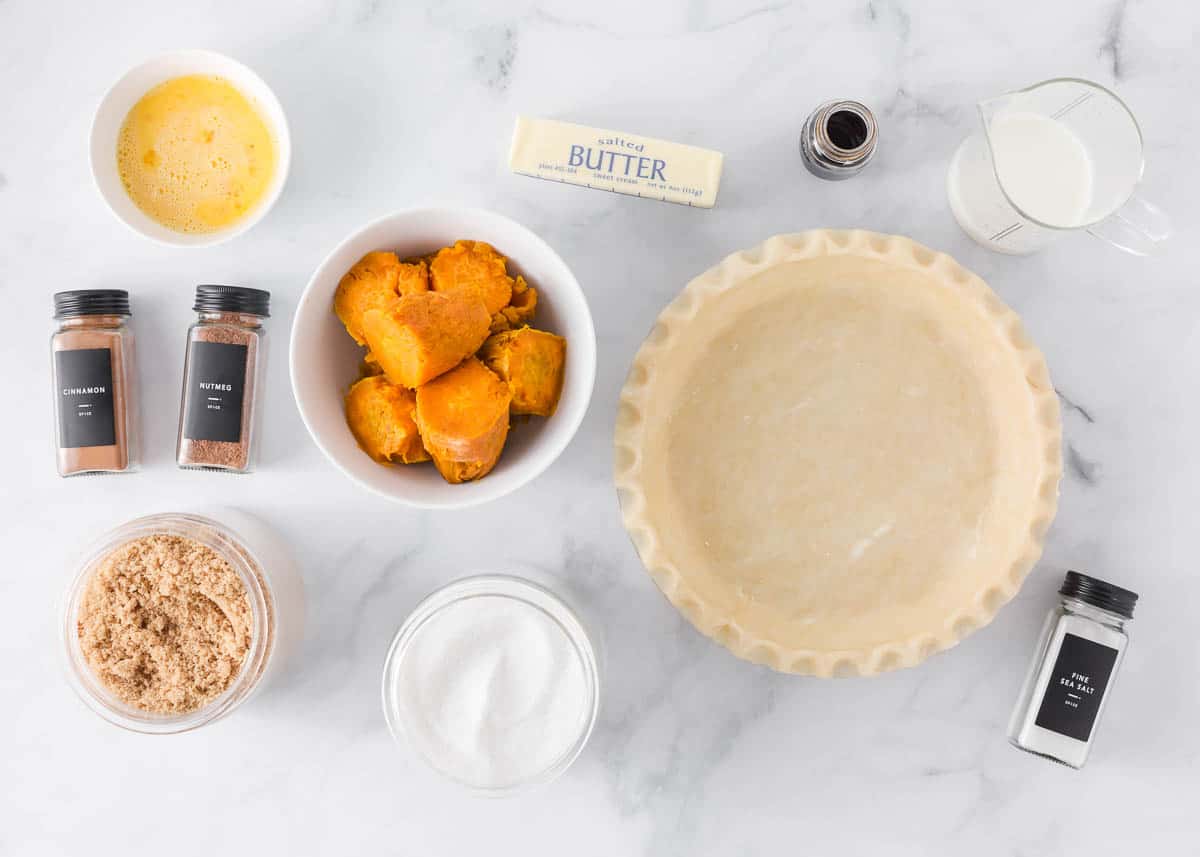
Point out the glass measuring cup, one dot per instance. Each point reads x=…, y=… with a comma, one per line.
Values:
x=1059, y=156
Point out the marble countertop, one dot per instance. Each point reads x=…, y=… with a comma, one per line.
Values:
x=394, y=105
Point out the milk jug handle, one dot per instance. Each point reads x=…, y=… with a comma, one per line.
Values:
x=1138, y=227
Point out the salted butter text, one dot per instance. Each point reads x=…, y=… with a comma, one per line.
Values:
x=616, y=162
x=605, y=161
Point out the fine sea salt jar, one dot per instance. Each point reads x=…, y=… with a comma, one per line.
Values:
x=1073, y=670
x=222, y=371
x=94, y=382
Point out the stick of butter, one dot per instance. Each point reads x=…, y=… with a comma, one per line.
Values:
x=615, y=161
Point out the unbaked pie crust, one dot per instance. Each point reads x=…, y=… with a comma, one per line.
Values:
x=838, y=453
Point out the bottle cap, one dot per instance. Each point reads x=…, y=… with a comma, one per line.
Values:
x=1098, y=593
x=91, y=302
x=232, y=299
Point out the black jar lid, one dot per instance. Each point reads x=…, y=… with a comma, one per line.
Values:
x=211, y=298
x=79, y=302
x=1098, y=593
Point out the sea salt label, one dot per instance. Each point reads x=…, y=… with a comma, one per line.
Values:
x=616, y=161
x=1076, y=687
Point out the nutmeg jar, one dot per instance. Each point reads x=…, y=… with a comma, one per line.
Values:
x=222, y=371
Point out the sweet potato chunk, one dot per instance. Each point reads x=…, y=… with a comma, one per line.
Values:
x=520, y=310
x=381, y=417
x=413, y=279
x=463, y=419
x=472, y=268
x=531, y=362
x=421, y=336
x=375, y=282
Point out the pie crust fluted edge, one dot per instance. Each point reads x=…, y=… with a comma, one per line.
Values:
x=631, y=426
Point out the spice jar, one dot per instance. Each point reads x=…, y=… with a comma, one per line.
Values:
x=221, y=374
x=94, y=380
x=1077, y=658
x=838, y=139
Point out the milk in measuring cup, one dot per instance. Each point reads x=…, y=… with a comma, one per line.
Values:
x=1042, y=165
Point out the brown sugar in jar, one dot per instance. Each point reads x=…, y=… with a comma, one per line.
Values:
x=173, y=621
x=94, y=382
x=222, y=371
x=164, y=624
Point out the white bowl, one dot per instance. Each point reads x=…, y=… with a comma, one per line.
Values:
x=325, y=360
x=126, y=92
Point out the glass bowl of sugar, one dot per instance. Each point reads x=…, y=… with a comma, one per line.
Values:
x=493, y=681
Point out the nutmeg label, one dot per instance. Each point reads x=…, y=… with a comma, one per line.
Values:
x=84, y=379
x=215, y=388
x=1076, y=687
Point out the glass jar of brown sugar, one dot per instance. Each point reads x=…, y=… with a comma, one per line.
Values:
x=94, y=380
x=222, y=370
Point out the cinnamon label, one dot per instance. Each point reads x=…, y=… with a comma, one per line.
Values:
x=85, y=388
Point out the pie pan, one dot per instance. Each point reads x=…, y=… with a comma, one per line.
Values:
x=838, y=453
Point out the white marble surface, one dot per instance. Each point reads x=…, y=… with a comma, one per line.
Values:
x=696, y=753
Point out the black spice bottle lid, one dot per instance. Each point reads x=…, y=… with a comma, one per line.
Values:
x=232, y=299
x=1098, y=593
x=91, y=302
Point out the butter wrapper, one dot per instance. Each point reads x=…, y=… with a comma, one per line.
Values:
x=615, y=161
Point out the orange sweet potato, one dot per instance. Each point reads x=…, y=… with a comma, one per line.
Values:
x=422, y=335
x=413, y=279
x=463, y=419
x=472, y=268
x=381, y=418
x=375, y=282
x=520, y=309
x=531, y=362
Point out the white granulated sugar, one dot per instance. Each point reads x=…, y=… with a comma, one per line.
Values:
x=492, y=691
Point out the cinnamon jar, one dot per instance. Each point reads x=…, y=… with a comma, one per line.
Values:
x=222, y=371
x=94, y=380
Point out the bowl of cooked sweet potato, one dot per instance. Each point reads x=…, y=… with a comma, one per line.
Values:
x=443, y=357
